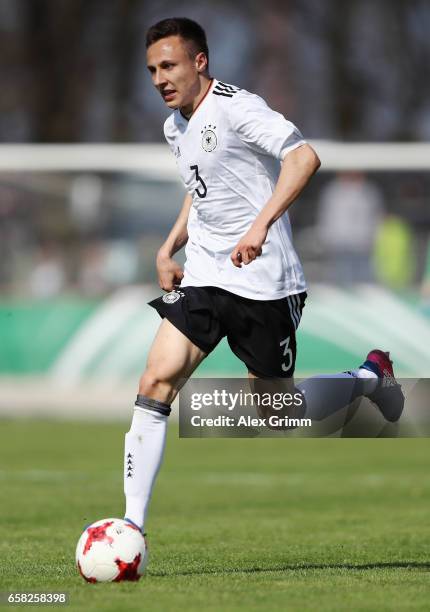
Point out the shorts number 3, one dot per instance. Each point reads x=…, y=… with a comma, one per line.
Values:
x=288, y=353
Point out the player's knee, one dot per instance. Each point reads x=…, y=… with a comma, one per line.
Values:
x=155, y=386
x=149, y=382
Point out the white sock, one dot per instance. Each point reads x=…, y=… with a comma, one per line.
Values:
x=144, y=447
x=369, y=379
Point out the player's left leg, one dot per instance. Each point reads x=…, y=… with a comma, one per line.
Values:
x=266, y=341
x=275, y=388
x=327, y=393
x=263, y=335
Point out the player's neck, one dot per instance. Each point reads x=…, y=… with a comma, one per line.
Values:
x=188, y=110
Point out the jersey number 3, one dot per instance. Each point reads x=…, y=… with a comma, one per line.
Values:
x=201, y=194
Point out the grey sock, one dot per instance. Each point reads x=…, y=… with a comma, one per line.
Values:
x=326, y=394
x=151, y=404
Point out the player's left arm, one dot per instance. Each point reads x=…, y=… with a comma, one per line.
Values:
x=298, y=166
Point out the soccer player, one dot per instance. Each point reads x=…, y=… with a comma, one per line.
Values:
x=243, y=165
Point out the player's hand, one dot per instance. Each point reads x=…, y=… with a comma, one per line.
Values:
x=249, y=246
x=169, y=272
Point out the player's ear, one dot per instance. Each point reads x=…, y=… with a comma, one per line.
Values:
x=201, y=61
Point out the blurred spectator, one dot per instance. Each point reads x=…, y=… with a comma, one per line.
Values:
x=15, y=234
x=395, y=259
x=425, y=285
x=106, y=265
x=85, y=202
x=121, y=264
x=349, y=213
x=91, y=281
x=47, y=277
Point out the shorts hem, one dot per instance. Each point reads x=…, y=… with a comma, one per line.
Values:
x=206, y=349
x=261, y=375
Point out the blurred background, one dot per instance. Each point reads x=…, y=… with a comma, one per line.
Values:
x=78, y=240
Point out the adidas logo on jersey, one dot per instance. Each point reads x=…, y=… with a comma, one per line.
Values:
x=222, y=89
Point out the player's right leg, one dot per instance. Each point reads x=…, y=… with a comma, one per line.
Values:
x=172, y=358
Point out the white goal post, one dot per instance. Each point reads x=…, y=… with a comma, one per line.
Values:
x=155, y=161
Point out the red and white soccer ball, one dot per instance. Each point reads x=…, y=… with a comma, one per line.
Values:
x=111, y=550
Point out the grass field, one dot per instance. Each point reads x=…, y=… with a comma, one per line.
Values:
x=254, y=524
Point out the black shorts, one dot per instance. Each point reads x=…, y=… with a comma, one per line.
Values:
x=260, y=333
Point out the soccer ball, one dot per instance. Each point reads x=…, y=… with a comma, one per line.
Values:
x=111, y=550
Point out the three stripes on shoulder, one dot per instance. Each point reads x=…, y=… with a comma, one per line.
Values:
x=222, y=89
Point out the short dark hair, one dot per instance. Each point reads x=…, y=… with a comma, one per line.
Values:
x=187, y=29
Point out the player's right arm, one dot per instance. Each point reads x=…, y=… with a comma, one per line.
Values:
x=169, y=271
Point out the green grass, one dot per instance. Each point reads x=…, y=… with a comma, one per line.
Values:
x=251, y=524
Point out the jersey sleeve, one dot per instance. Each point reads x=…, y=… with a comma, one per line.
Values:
x=262, y=128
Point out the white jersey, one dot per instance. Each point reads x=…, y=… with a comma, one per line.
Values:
x=228, y=154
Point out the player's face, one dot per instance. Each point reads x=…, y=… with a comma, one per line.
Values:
x=174, y=72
